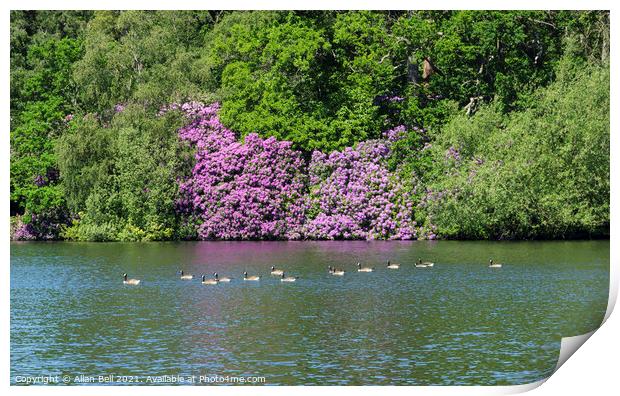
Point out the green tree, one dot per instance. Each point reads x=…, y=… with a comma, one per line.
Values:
x=122, y=178
x=497, y=129
x=538, y=173
x=44, y=46
x=43, y=92
x=326, y=80
x=143, y=56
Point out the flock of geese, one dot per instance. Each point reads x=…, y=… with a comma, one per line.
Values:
x=283, y=278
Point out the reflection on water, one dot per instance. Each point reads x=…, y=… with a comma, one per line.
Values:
x=457, y=323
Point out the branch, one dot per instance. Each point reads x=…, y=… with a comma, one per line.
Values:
x=543, y=22
x=382, y=59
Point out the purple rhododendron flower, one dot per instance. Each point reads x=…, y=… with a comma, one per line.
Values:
x=356, y=196
x=249, y=190
x=453, y=153
x=24, y=232
x=262, y=188
x=39, y=181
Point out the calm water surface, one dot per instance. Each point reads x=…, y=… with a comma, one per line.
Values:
x=457, y=323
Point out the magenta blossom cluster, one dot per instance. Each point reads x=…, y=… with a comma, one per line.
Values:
x=262, y=188
x=24, y=232
x=39, y=181
x=453, y=154
x=44, y=226
x=249, y=190
x=395, y=134
x=353, y=195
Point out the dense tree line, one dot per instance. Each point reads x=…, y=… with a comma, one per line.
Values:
x=463, y=124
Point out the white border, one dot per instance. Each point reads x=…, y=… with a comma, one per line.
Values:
x=594, y=369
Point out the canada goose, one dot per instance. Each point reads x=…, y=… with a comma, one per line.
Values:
x=494, y=265
x=209, y=281
x=275, y=271
x=186, y=277
x=424, y=264
x=250, y=278
x=222, y=279
x=335, y=271
x=287, y=278
x=392, y=266
x=364, y=269
x=133, y=282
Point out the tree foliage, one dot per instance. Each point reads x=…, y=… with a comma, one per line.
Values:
x=122, y=178
x=504, y=118
x=538, y=173
x=44, y=47
x=328, y=80
x=141, y=56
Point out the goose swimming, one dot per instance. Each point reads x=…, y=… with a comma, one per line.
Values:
x=493, y=264
x=288, y=278
x=364, y=269
x=392, y=266
x=185, y=276
x=133, y=282
x=275, y=271
x=250, y=278
x=206, y=281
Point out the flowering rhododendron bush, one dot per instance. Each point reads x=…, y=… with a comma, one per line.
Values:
x=354, y=196
x=257, y=189
x=249, y=190
x=85, y=138
x=44, y=226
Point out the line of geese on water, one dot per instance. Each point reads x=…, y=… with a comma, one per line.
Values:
x=283, y=278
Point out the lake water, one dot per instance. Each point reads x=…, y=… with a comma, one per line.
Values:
x=456, y=323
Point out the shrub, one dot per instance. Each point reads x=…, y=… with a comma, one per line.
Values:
x=249, y=190
x=538, y=173
x=353, y=195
